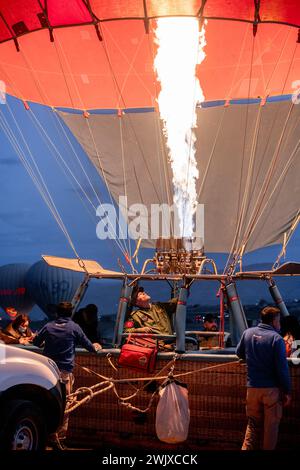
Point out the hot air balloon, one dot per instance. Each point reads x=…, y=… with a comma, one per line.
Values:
x=93, y=64
x=14, y=297
x=98, y=69
x=49, y=286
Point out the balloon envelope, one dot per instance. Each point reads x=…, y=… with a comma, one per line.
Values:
x=247, y=129
x=49, y=286
x=79, y=70
x=13, y=293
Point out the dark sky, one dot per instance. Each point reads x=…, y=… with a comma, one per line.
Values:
x=27, y=227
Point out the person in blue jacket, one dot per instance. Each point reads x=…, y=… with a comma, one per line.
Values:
x=59, y=338
x=268, y=380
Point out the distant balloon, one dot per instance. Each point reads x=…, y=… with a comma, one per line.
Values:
x=49, y=285
x=14, y=297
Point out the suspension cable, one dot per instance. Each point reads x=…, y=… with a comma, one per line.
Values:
x=36, y=176
x=122, y=100
x=255, y=215
x=288, y=236
x=56, y=153
x=60, y=126
x=45, y=99
x=120, y=241
x=238, y=215
x=236, y=254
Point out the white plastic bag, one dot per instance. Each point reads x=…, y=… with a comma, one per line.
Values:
x=172, y=413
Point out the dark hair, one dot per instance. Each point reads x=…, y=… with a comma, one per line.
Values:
x=209, y=317
x=91, y=309
x=64, y=309
x=268, y=314
x=90, y=315
x=19, y=320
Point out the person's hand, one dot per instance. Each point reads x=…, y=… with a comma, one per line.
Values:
x=31, y=338
x=24, y=340
x=97, y=346
x=286, y=400
x=144, y=329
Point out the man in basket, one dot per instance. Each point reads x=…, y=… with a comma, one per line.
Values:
x=147, y=317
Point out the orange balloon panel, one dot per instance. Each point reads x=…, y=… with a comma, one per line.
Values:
x=78, y=70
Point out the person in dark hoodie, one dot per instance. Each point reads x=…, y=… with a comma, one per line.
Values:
x=87, y=319
x=59, y=338
x=268, y=380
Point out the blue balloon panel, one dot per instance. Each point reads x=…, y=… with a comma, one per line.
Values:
x=49, y=286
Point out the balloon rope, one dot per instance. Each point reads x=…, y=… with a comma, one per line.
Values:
x=289, y=235
x=256, y=213
x=128, y=116
x=212, y=153
x=42, y=91
x=248, y=192
x=124, y=178
x=43, y=95
x=237, y=252
x=239, y=213
x=240, y=198
x=278, y=182
x=35, y=175
x=54, y=150
x=56, y=153
x=120, y=242
x=63, y=130
x=229, y=95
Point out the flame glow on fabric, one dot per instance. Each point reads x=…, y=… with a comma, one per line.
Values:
x=178, y=54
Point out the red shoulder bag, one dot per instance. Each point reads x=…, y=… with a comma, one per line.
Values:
x=139, y=353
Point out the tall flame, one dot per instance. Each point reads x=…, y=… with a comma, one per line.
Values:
x=180, y=49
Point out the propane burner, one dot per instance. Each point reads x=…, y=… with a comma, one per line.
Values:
x=179, y=255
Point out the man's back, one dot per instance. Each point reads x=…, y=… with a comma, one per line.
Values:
x=269, y=384
x=264, y=351
x=61, y=336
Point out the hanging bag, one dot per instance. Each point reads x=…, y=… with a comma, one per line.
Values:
x=139, y=353
x=172, y=413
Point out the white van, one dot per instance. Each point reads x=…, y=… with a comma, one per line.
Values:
x=32, y=399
